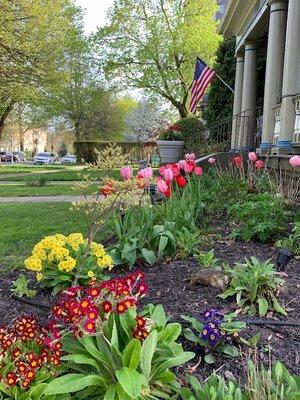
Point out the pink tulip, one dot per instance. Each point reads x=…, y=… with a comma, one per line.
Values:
x=176, y=170
x=126, y=173
x=168, y=174
x=146, y=173
x=259, y=164
x=198, y=171
x=182, y=163
x=212, y=160
x=295, y=161
x=190, y=157
x=252, y=156
x=189, y=167
x=162, y=186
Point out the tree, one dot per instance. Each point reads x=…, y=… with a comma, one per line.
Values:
x=153, y=44
x=220, y=98
x=63, y=150
x=143, y=123
x=33, y=36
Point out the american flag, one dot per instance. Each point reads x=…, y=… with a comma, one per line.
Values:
x=203, y=76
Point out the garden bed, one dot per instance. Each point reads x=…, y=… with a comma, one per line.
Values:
x=169, y=285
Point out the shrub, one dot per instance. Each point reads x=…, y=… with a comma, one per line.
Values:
x=38, y=182
x=28, y=362
x=116, y=352
x=60, y=260
x=255, y=286
x=260, y=217
x=218, y=334
x=193, y=134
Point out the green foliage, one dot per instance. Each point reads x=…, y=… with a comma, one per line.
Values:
x=271, y=384
x=20, y=287
x=170, y=135
x=220, y=99
x=292, y=242
x=187, y=242
x=215, y=388
x=263, y=384
x=192, y=133
x=113, y=365
x=140, y=240
x=218, y=334
x=208, y=260
x=260, y=216
x=255, y=286
x=34, y=36
x=161, y=61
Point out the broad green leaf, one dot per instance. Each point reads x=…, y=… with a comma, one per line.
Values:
x=80, y=359
x=71, y=383
x=147, y=352
x=131, y=381
x=209, y=358
x=170, y=333
x=111, y=393
x=149, y=256
x=159, y=316
x=263, y=306
x=197, y=325
x=131, y=354
x=173, y=362
x=277, y=307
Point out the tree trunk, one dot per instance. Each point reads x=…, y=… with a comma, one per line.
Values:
x=4, y=115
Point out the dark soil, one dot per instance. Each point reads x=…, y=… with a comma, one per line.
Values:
x=169, y=285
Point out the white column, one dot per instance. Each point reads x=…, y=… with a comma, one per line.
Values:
x=274, y=68
x=291, y=76
x=249, y=94
x=237, y=104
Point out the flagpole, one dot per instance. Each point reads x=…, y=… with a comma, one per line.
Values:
x=226, y=84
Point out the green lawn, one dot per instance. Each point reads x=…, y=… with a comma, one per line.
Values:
x=68, y=175
x=48, y=190
x=19, y=168
x=23, y=225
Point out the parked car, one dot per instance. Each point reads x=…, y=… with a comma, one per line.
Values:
x=7, y=156
x=44, y=158
x=2, y=156
x=69, y=159
x=20, y=156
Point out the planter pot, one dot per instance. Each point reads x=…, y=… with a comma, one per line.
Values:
x=170, y=151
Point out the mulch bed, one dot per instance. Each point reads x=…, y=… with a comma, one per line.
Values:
x=169, y=286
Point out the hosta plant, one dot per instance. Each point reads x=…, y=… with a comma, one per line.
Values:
x=255, y=286
x=60, y=260
x=114, y=353
x=28, y=360
x=216, y=334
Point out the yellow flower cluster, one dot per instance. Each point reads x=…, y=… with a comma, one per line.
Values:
x=103, y=260
x=62, y=252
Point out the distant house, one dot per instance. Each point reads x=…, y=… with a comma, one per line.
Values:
x=270, y=29
x=32, y=141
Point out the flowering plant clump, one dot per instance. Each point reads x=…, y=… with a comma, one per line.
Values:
x=177, y=175
x=114, y=352
x=27, y=359
x=173, y=132
x=58, y=260
x=218, y=333
x=85, y=310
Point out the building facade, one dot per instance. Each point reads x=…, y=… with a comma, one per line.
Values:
x=268, y=28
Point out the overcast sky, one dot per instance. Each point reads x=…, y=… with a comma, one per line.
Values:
x=95, y=12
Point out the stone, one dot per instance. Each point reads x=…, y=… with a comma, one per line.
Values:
x=210, y=277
